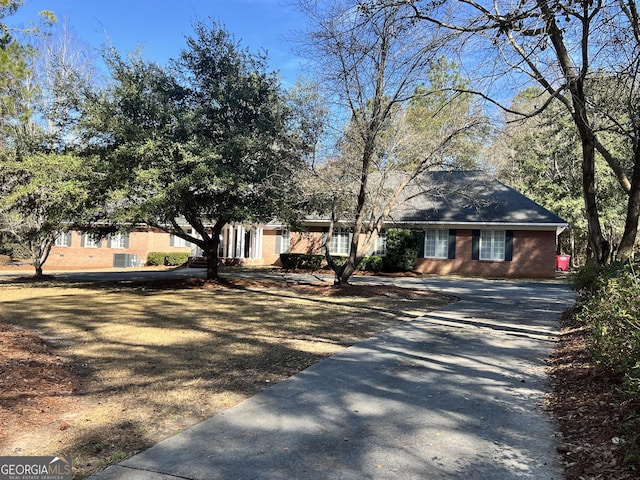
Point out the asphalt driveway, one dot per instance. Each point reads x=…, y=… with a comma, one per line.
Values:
x=454, y=394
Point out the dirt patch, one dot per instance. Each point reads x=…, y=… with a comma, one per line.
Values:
x=589, y=409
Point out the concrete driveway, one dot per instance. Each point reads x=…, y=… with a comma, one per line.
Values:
x=454, y=394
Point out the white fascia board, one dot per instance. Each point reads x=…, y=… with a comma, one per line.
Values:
x=481, y=225
x=275, y=224
x=557, y=227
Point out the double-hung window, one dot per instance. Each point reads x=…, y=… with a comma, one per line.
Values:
x=492, y=244
x=90, y=241
x=340, y=240
x=119, y=240
x=283, y=241
x=63, y=240
x=175, y=241
x=436, y=243
x=380, y=247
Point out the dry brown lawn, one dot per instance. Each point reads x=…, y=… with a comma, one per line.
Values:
x=100, y=372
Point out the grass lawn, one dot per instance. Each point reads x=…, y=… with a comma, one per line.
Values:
x=100, y=372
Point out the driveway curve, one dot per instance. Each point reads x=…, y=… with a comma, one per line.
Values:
x=454, y=394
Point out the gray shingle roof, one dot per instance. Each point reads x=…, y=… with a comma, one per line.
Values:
x=469, y=197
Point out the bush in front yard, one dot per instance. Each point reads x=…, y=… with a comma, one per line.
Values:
x=167, y=258
x=300, y=261
x=402, y=250
x=15, y=250
x=371, y=264
x=611, y=312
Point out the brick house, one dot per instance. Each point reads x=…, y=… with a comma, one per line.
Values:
x=76, y=249
x=471, y=225
x=240, y=244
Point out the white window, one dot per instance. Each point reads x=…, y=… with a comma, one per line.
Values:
x=176, y=241
x=119, y=240
x=63, y=240
x=492, y=244
x=283, y=241
x=380, y=247
x=436, y=243
x=90, y=241
x=340, y=242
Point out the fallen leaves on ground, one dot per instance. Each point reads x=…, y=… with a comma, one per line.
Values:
x=589, y=409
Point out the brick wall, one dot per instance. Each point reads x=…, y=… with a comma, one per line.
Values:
x=533, y=253
x=533, y=257
x=269, y=254
x=307, y=242
x=141, y=242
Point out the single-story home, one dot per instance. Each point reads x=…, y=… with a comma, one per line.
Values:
x=472, y=225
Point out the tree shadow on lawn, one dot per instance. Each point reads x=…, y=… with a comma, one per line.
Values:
x=151, y=362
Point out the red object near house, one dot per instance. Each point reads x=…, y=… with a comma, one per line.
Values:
x=562, y=263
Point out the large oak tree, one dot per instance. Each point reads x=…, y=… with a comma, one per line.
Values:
x=208, y=140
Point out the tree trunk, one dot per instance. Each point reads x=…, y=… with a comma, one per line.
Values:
x=597, y=242
x=629, y=236
x=574, y=76
x=212, y=245
x=211, y=252
x=37, y=256
x=212, y=263
x=572, y=247
x=343, y=273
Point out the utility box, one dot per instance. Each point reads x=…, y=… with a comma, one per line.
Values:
x=125, y=260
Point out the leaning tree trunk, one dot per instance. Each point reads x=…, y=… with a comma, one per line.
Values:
x=629, y=236
x=575, y=82
x=349, y=267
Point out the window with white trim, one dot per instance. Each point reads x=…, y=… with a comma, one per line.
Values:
x=90, y=241
x=492, y=244
x=63, y=240
x=340, y=242
x=175, y=241
x=436, y=243
x=283, y=241
x=380, y=247
x=119, y=240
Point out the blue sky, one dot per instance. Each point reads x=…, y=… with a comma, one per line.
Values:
x=160, y=26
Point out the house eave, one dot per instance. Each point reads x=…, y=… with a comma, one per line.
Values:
x=558, y=227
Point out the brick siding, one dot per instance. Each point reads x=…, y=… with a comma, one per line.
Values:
x=141, y=242
x=533, y=257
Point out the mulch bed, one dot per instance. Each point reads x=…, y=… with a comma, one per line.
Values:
x=35, y=384
x=589, y=408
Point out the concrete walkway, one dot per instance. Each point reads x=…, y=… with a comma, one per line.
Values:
x=455, y=394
